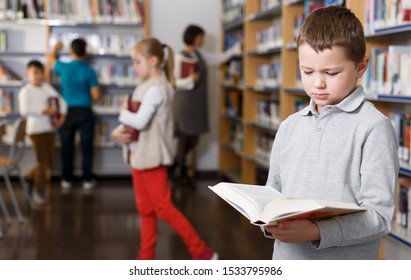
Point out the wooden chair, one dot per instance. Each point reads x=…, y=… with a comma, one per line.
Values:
x=11, y=163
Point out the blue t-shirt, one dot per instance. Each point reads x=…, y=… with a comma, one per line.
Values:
x=77, y=78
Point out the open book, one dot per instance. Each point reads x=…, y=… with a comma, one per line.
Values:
x=264, y=205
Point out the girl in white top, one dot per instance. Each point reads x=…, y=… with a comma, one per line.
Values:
x=153, y=150
x=42, y=121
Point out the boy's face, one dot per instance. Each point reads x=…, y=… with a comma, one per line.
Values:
x=328, y=76
x=35, y=75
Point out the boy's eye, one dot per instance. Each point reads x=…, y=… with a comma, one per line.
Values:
x=332, y=74
x=308, y=72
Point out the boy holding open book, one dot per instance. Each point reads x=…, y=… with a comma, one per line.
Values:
x=338, y=148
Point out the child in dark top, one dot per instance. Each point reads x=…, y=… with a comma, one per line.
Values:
x=80, y=88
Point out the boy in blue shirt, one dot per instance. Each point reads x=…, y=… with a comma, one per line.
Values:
x=338, y=148
x=79, y=85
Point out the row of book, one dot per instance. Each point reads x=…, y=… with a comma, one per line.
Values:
x=97, y=43
x=298, y=22
x=233, y=102
x=3, y=40
x=232, y=38
x=312, y=5
x=233, y=10
x=234, y=73
x=236, y=136
x=386, y=13
x=83, y=11
x=270, y=37
x=268, y=113
x=389, y=71
x=269, y=75
x=402, y=126
x=109, y=103
x=404, y=202
x=263, y=147
x=268, y=4
x=121, y=74
x=6, y=101
x=7, y=74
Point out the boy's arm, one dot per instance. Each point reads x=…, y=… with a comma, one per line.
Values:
x=379, y=174
x=52, y=57
x=95, y=93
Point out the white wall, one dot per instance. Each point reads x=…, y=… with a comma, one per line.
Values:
x=168, y=20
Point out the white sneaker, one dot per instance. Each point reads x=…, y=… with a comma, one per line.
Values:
x=39, y=198
x=66, y=185
x=89, y=185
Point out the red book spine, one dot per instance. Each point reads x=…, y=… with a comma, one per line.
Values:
x=132, y=107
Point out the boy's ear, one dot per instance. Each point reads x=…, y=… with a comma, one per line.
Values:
x=362, y=67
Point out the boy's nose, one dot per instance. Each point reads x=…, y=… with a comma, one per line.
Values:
x=319, y=82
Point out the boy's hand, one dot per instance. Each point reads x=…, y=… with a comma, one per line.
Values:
x=195, y=75
x=121, y=135
x=295, y=231
x=51, y=111
x=58, y=46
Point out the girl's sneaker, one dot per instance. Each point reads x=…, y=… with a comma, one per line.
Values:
x=208, y=254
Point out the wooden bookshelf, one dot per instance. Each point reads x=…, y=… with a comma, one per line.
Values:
x=397, y=245
x=244, y=163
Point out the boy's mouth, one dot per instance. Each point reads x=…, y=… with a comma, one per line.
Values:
x=320, y=96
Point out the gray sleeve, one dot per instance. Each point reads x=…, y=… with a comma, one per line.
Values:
x=274, y=179
x=379, y=174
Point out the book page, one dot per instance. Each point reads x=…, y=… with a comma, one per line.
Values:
x=249, y=200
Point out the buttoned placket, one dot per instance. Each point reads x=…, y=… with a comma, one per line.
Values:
x=320, y=124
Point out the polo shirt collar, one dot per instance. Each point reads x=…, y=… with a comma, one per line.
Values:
x=348, y=104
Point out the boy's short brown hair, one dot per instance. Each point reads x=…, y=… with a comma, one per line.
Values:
x=79, y=47
x=35, y=64
x=334, y=26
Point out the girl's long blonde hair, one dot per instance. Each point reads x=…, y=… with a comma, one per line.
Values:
x=152, y=47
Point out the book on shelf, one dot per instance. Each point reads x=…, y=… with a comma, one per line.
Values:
x=270, y=37
x=233, y=104
x=312, y=5
x=404, y=202
x=233, y=10
x=268, y=113
x=268, y=4
x=264, y=205
x=382, y=14
x=263, y=148
x=269, y=75
x=3, y=40
x=6, y=101
x=102, y=135
x=234, y=73
x=97, y=11
x=7, y=74
x=54, y=103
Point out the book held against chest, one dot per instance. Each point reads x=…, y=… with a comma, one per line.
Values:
x=133, y=107
x=53, y=102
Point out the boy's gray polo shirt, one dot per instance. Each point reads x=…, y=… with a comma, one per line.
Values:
x=346, y=153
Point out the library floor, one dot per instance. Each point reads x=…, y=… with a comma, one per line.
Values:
x=104, y=226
